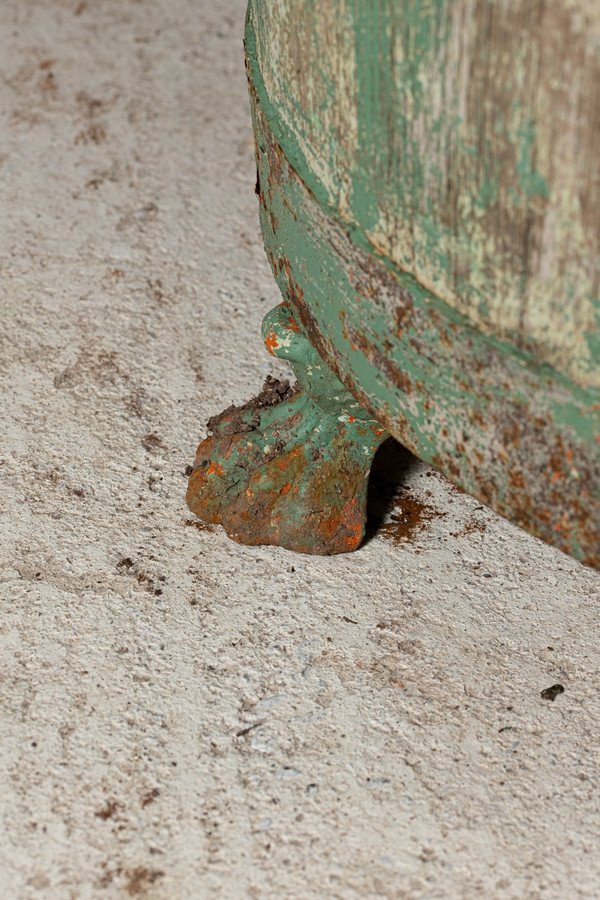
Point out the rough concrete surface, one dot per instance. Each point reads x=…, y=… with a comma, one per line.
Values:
x=183, y=717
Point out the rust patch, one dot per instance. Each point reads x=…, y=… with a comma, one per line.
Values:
x=384, y=363
x=503, y=441
x=403, y=313
x=288, y=468
x=271, y=342
x=412, y=516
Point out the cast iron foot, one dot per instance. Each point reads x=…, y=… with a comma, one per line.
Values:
x=290, y=467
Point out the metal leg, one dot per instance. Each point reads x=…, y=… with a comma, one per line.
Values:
x=290, y=467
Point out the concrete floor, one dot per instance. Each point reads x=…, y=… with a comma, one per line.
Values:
x=183, y=717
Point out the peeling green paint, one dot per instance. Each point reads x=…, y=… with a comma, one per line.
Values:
x=507, y=428
x=532, y=182
x=417, y=125
x=363, y=229
x=592, y=336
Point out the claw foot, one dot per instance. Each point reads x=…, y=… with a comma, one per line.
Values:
x=291, y=466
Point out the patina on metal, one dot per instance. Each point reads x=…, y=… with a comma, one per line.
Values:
x=291, y=466
x=430, y=204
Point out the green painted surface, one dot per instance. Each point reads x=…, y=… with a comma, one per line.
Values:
x=458, y=140
x=436, y=252
x=504, y=425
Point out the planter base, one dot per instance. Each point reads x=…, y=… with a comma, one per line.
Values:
x=291, y=467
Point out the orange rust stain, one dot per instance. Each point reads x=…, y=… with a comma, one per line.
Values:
x=215, y=468
x=562, y=524
x=292, y=324
x=516, y=479
x=555, y=477
x=340, y=528
x=412, y=516
x=271, y=341
x=284, y=461
x=348, y=520
x=287, y=487
x=197, y=480
x=356, y=526
x=355, y=536
x=331, y=524
x=352, y=418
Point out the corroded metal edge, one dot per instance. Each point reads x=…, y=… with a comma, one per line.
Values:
x=519, y=437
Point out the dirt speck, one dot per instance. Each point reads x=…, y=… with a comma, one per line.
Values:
x=111, y=276
x=136, y=402
x=90, y=110
x=201, y=526
x=99, y=367
x=551, y=693
x=140, y=878
x=47, y=84
x=93, y=134
x=156, y=291
x=152, y=442
x=141, y=216
x=243, y=732
x=470, y=527
x=196, y=367
x=108, y=810
x=143, y=579
x=39, y=881
x=150, y=797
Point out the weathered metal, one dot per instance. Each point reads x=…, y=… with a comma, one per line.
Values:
x=291, y=466
x=458, y=140
x=430, y=203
